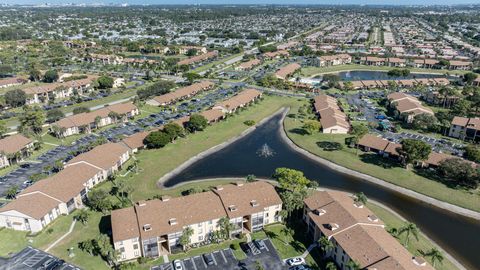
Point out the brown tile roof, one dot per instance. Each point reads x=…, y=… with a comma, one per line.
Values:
x=14, y=143
x=64, y=185
x=184, y=92
x=250, y=64
x=35, y=206
x=373, y=142
x=277, y=53
x=247, y=198
x=460, y=121
x=435, y=158
x=198, y=58
x=135, y=141
x=329, y=111
x=124, y=224
x=122, y=108
x=15, y=80
x=287, y=70
x=104, y=156
x=212, y=115
x=240, y=99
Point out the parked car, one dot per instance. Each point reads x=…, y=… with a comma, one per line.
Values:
x=260, y=244
x=208, y=258
x=299, y=267
x=296, y=261
x=177, y=265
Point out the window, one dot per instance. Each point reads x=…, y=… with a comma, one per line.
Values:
x=199, y=225
x=200, y=238
x=135, y=246
x=120, y=243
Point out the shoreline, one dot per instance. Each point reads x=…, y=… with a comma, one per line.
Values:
x=404, y=191
x=379, y=70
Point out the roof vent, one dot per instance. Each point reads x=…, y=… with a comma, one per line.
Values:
x=333, y=226
x=141, y=203
x=165, y=198
x=254, y=203
x=319, y=212
x=373, y=218
x=172, y=221
x=147, y=227
x=232, y=208
x=239, y=184
x=219, y=187
x=419, y=261
x=358, y=204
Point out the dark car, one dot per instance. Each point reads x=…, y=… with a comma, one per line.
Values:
x=25, y=165
x=208, y=259
x=56, y=264
x=259, y=244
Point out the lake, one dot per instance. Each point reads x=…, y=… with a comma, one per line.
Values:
x=358, y=75
x=459, y=235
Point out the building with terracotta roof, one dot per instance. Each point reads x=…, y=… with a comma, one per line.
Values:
x=181, y=93
x=198, y=58
x=248, y=65
x=86, y=122
x=153, y=228
x=276, y=54
x=332, y=118
x=286, y=71
x=240, y=100
x=332, y=60
x=14, y=148
x=465, y=128
x=45, y=92
x=356, y=233
x=4, y=83
x=407, y=106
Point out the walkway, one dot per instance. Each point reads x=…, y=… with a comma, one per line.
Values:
x=63, y=236
x=305, y=254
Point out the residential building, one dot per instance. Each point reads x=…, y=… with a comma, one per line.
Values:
x=332, y=118
x=182, y=93
x=240, y=100
x=356, y=233
x=86, y=122
x=248, y=65
x=153, y=228
x=407, y=106
x=276, y=54
x=14, y=148
x=198, y=58
x=332, y=60
x=46, y=92
x=465, y=128
x=4, y=83
x=286, y=71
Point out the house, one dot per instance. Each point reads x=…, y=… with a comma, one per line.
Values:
x=179, y=94
x=104, y=59
x=14, y=148
x=248, y=65
x=213, y=115
x=356, y=233
x=465, y=128
x=198, y=58
x=4, y=83
x=373, y=61
x=381, y=146
x=135, y=141
x=46, y=92
x=460, y=65
x=185, y=49
x=86, y=122
x=396, y=62
x=332, y=118
x=286, y=71
x=425, y=63
x=407, y=106
x=332, y=60
x=240, y=100
x=153, y=228
x=276, y=54
x=476, y=82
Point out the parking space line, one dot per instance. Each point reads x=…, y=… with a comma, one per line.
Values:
x=193, y=263
x=213, y=257
x=223, y=255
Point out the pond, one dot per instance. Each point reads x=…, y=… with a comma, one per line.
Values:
x=358, y=75
x=262, y=151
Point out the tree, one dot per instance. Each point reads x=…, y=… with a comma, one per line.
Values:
x=173, y=130
x=35, y=75
x=353, y=265
x=225, y=227
x=472, y=153
x=358, y=131
x=409, y=230
x=50, y=76
x=11, y=192
x=414, y=151
x=5, y=70
x=311, y=126
x=330, y=266
x=15, y=98
x=185, y=240
x=79, y=110
x=32, y=120
x=82, y=215
x=87, y=246
x=425, y=122
x=191, y=76
x=105, y=82
x=290, y=179
x=99, y=200
x=54, y=115
x=192, y=52
x=286, y=231
x=197, y=122
x=361, y=198
x=460, y=172
x=348, y=86
x=105, y=249
x=435, y=255
x=156, y=139
x=469, y=77
x=3, y=129
x=158, y=88
x=114, y=116
x=331, y=79
x=250, y=178
x=325, y=245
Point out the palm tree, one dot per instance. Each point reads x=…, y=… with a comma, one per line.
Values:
x=409, y=229
x=361, y=198
x=325, y=245
x=331, y=266
x=185, y=238
x=225, y=227
x=435, y=255
x=82, y=216
x=286, y=232
x=353, y=265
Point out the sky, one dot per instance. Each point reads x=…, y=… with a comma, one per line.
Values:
x=320, y=2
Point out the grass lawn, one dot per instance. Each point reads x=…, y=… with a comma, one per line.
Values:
x=393, y=221
x=114, y=97
x=313, y=71
x=216, y=63
x=376, y=166
x=156, y=163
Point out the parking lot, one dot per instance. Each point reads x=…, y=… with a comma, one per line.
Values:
x=223, y=259
x=31, y=258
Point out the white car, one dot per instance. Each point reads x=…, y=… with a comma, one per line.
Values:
x=177, y=265
x=295, y=261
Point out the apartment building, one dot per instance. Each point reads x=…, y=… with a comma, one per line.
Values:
x=276, y=54
x=181, y=93
x=332, y=60
x=14, y=148
x=4, y=83
x=356, y=233
x=407, y=106
x=465, y=128
x=240, y=100
x=248, y=65
x=198, y=58
x=153, y=228
x=86, y=122
x=332, y=118
x=45, y=92
x=46, y=200
x=284, y=72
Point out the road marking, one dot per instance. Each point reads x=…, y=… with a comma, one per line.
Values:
x=213, y=257
x=223, y=255
x=193, y=263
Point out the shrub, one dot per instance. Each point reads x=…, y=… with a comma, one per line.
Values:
x=249, y=123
